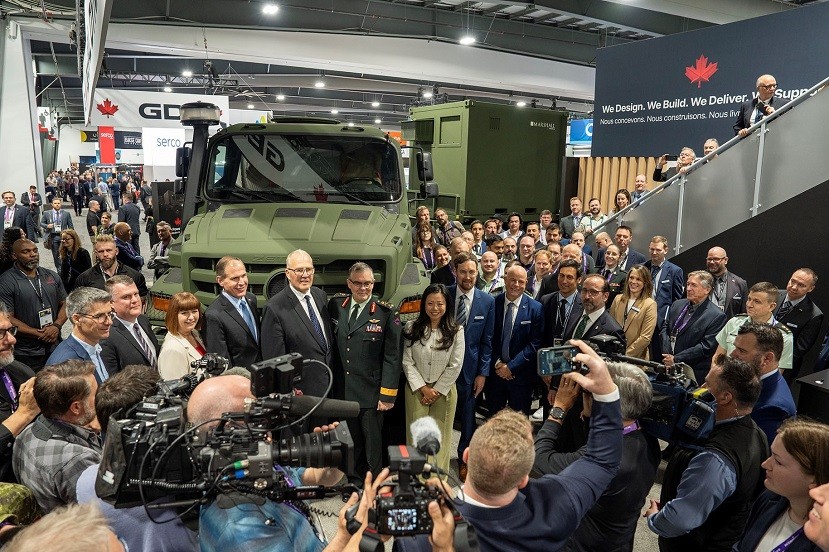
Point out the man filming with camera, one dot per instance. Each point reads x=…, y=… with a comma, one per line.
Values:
x=508, y=510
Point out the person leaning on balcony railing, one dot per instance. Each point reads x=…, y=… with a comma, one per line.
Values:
x=663, y=173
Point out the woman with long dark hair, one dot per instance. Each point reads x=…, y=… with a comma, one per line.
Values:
x=432, y=360
x=799, y=463
x=425, y=245
x=635, y=311
x=74, y=259
x=622, y=200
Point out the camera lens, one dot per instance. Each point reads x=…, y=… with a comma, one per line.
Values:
x=313, y=450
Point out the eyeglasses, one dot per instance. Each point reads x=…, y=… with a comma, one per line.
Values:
x=768, y=86
x=302, y=271
x=714, y=259
x=11, y=330
x=591, y=292
x=99, y=318
x=65, y=239
x=363, y=285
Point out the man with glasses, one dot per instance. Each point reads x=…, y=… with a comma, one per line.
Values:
x=232, y=320
x=17, y=403
x=759, y=107
x=663, y=173
x=296, y=320
x=367, y=366
x=89, y=310
x=35, y=297
x=729, y=291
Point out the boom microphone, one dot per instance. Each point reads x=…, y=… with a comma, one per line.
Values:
x=426, y=435
x=299, y=405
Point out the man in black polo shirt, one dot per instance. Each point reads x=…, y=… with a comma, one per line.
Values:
x=108, y=266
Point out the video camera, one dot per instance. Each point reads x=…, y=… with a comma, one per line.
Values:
x=150, y=453
x=681, y=412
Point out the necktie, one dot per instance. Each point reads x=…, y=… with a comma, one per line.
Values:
x=507, y=333
x=161, y=250
x=316, y=324
x=562, y=316
x=581, y=327
x=248, y=317
x=606, y=273
x=100, y=368
x=461, y=315
x=352, y=321
x=784, y=309
x=139, y=337
x=654, y=272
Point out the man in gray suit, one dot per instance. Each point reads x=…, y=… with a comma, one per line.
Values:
x=296, y=320
x=53, y=222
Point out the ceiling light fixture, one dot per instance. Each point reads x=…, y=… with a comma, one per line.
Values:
x=521, y=104
x=375, y=104
x=334, y=111
x=427, y=94
x=378, y=121
x=467, y=40
x=320, y=83
x=251, y=106
x=270, y=9
x=351, y=124
x=187, y=73
x=280, y=97
x=168, y=88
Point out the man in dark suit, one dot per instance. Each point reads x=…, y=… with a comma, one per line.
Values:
x=52, y=223
x=232, y=320
x=89, y=311
x=798, y=313
x=759, y=107
x=296, y=320
x=131, y=339
x=629, y=257
x=730, y=292
x=12, y=214
x=668, y=285
x=595, y=319
x=475, y=311
x=131, y=214
x=572, y=222
x=446, y=274
x=18, y=407
x=34, y=201
x=368, y=364
x=562, y=306
x=689, y=334
x=519, y=327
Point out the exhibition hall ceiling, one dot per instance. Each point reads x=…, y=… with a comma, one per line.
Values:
x=567, y=31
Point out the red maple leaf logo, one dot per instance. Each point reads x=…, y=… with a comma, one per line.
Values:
x=177, y=221
x=702, y=71
x=107, y=108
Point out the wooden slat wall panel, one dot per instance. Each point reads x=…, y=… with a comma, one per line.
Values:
x=602, y=177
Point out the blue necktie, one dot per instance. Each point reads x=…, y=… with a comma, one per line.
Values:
x=248, y=316
x=507, y=334
x=462, y=314
x=101, y=369
x=316, y=324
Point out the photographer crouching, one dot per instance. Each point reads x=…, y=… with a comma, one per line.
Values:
x=508, y=510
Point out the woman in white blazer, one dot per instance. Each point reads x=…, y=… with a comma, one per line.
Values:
x=432, y=360
x=183, y=344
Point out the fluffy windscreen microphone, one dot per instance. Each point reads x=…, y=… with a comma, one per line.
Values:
x=426, y=435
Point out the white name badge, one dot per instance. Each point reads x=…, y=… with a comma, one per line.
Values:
x=45, y=317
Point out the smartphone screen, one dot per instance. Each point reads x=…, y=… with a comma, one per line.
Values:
x=554, y=361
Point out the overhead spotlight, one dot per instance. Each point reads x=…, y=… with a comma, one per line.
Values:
x=187, y=73
x=378, y=121
x=427, y=94
x=270, y=9
x=168, y=88
x=251, y=106
x=467, y=39
x=280, y=97
x=334, y=111
x=375, y=104
x=351, y=124
x=320, y=83
x=521, y=104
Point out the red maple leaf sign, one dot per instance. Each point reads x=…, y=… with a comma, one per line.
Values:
x=177, y=221
x=107, y=108
x=702, y=71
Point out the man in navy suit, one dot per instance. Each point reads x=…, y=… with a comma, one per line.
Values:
x=760, y=107
x=761, y=345
x=12, y=214
x=519, y=327
x=798, y=313
x=89, y=310
x=629, y=257
x=475, y=311
x=689, y=334
x=668, y=285
x=53, y=222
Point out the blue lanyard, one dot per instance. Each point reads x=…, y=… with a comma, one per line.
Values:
x=786, y=543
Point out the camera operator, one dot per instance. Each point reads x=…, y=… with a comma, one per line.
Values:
x=250, y=523
x=511, y=512
x=707, y=494
x=120, y=392
x=611, y=523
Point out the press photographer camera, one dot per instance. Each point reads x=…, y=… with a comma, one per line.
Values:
x=681, y=412
x=226, y=454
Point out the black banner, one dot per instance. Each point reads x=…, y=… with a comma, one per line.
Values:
x=658, y=95
x=89, y=135
x=127, y=140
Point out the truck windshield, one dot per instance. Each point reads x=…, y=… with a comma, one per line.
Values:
x=303, y=168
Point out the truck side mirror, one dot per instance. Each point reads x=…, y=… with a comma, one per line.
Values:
x=428, y=190
x=424, y=166
x=183, y=155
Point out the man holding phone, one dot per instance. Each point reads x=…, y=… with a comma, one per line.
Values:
x=662, y=172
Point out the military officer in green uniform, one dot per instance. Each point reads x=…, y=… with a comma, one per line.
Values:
x=367, y=363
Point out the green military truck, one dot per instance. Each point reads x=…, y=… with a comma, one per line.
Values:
x=260, y=191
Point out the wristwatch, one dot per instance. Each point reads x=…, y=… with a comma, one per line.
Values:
x=557, y=413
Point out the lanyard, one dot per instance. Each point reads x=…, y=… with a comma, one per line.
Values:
x=786, y=543
x=682, y=320
x=39, y=289
x=630, y=428
x=7, y=381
